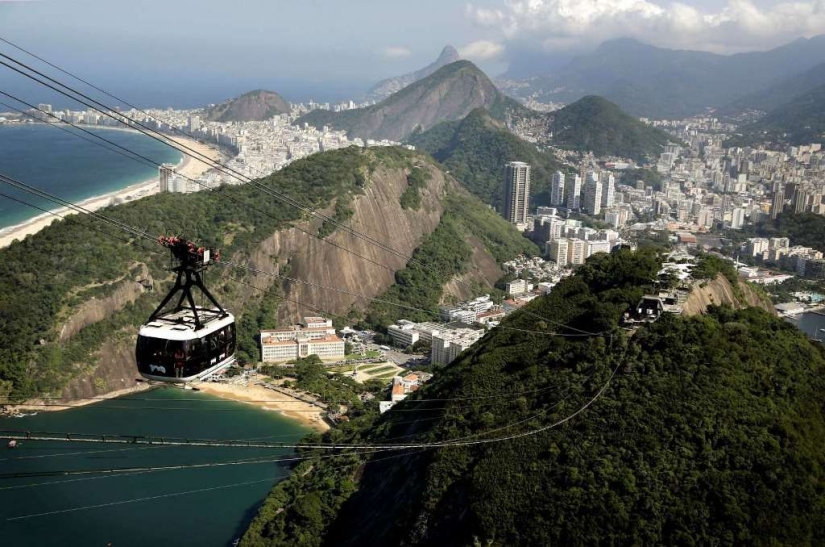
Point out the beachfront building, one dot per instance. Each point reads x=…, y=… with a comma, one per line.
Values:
x=165, y=174
x=314, y=336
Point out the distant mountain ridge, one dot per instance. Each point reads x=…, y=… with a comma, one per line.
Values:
x=780, y=93
x=800, y=121
x=387, y=87
x=450, y=93
x=656, y=82
x=254, y=106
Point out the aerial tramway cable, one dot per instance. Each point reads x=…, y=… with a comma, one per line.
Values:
x=221, y=167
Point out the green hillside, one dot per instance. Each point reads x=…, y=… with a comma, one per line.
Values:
x=49, y=274
x=596, y=125
x=710, y=432
x=800, y=121
x=475, y=151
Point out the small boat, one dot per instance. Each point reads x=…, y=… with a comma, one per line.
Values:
x=12, y=443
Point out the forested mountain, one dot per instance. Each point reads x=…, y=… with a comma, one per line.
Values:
x=475, y=150
x=800, y=121
x=387, y=87
x=594, y=124
x=663, y=83
x=71, y=297
x=690, y=431
x=450, y=93
x=254, y=106
x=778, y=94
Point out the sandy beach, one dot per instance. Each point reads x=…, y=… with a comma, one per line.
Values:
x=53, y=405
x=306, y=413
x=188, y=167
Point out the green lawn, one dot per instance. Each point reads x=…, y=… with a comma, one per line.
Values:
x=382, y=369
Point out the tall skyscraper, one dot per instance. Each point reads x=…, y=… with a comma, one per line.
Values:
x=608, y=189
x=517, y=192
x=573, y=191
x=557, y=190
x=194, y=123
x=778, y=203
x=592, y=194
x=165, y=173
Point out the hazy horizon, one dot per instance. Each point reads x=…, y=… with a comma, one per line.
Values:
x=188, y=54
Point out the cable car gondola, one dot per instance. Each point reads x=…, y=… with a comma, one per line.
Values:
x=187, y=342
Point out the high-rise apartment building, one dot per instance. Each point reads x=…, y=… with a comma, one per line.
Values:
x=778, y=201
x=517, y=192
x=165, y=173
x=573, y=191
x=608, y=189
x=558, y=249
x=557, y=189
x=592, y=194
x=576, y=251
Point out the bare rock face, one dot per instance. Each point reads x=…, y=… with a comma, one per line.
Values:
x=97, y=309
x=332, y=276
x=379, y=216
x=721, y=292
x=483, y=270
x=115, y=371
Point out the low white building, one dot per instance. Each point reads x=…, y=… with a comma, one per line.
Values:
x=448, y=344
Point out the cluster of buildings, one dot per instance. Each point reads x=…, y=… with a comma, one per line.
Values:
x=314, y=336
x=447, y=340
x=706, y=185
x=254, y=149
x=805, y=261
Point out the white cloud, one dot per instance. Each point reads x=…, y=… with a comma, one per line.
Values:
x=737, y=25
x=482, y=50
x=396, y=52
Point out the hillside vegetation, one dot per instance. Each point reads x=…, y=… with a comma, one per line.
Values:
x=806, y=229
x=800, y=121
x=709, y=432
x=72, y=273
x=594, y=124
x=475, y=150
x=450, y=93
x=44, y=277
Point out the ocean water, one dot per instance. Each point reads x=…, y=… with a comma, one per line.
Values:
x=811, y=324
x=206, y=506
x=69, y=167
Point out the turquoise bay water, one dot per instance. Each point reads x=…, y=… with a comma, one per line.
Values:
x=69, y=167
x=207, y=506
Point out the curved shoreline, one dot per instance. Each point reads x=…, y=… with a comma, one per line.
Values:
x=264, y=399
x=187, y=166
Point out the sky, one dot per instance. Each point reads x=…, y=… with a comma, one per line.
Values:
x=187, y=53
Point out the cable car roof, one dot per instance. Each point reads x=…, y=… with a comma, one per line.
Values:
x=180, y=325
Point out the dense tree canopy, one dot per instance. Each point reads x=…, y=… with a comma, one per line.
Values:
x=708, y=432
